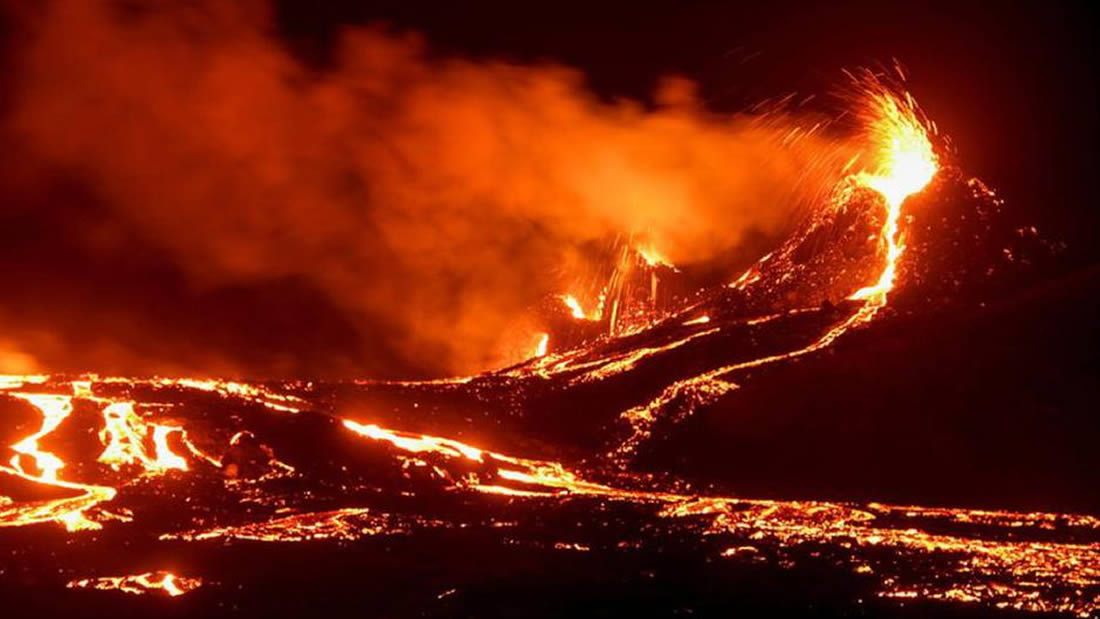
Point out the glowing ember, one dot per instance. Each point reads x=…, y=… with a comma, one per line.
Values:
x=702, y=320
x=346, y=524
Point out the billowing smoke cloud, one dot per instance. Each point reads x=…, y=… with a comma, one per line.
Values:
x=426, y=202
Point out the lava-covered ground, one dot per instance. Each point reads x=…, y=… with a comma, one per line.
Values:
x=796, y=452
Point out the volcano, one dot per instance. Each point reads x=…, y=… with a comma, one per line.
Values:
x=855, y=426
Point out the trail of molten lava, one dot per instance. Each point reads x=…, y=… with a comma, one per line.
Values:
x=69, y=511
x=54, y=410
x=907, y=163
x=129, y=442
x=165, y=583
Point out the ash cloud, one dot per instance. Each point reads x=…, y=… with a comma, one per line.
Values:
x=191, y=197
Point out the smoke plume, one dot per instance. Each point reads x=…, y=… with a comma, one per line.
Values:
x=403, y=211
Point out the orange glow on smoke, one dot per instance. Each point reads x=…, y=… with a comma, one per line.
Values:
x=494, y=143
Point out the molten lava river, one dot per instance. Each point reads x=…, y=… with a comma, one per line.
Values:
x=524, y=490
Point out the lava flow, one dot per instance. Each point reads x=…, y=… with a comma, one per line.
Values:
x=228, y=475
x=139, y=584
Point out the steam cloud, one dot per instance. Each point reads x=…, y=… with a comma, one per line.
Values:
x=423, y=203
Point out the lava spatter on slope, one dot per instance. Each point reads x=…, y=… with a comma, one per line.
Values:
x=540, y=456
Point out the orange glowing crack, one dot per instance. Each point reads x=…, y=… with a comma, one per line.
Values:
x=164, y=583
x=751, y=275
x=254, y=393
x=346, y=524
x=68, y=511
x=415, y=443
x=54, y=409
x=617, y=364
x=550, y=476
x=128, y=441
